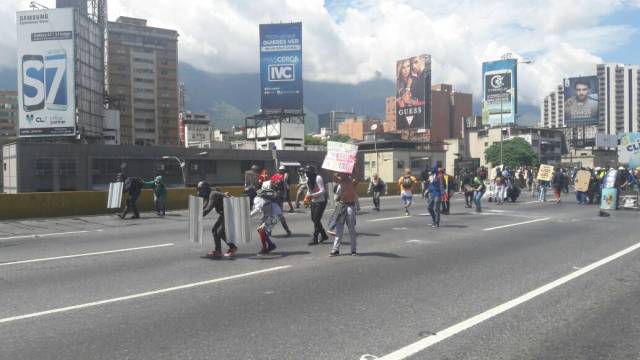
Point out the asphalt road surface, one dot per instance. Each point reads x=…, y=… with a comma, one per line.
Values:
x=521, y=281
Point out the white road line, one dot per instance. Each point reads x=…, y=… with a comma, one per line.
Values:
x=423, y=344
x=85, y=254
x=516, y=224
x=391, y=218
x=140, y=295
x=35, y=236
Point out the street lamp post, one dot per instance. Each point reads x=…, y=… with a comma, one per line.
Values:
x=374, y=127
x=183, y=164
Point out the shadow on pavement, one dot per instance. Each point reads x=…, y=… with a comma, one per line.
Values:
x=382, y=254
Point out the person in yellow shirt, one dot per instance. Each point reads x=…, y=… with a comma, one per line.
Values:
x=406, y=184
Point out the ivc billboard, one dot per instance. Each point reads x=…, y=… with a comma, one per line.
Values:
x=281, y=66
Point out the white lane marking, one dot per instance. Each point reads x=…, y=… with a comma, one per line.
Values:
x=516, y=224
x=35, y=236
x=391, y=218
x=423, y=344
x=400, y=228
x=531, y=202
x=85, y=254
x=140, y=295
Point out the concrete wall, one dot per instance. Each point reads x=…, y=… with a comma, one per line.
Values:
x=79, y=203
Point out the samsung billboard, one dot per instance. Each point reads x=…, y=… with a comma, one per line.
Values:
x=46, y=75
x=499, y=86
x=581, y=101
x=413, y=93
x=281, y=66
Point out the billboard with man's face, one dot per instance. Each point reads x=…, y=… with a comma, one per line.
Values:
x=581, y=101
x=413, y=93
x=46, y=75
x=281, y=66
x=499, y=79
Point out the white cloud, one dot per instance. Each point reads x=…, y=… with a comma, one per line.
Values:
x=365, y=37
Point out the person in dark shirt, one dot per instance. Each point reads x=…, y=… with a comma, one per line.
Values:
x=214, y=199
x=133, y=187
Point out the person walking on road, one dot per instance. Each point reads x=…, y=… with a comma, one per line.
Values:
x=467, y=187
x=345, y=214
x=133, y=187
x=435, y=191
x=279, y=185
x=479, y=189
x=376, y=187
x=406, y=184
x=214, y=199
x=501, y=187
x=557, y=183
x=302, y=187
x=316, y=191
x=159, y=194
x=251, y=183
x=266, y=203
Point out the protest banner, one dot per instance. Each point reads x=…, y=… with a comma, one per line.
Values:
x=582, y=180
x=545, y=173
x=340, y=157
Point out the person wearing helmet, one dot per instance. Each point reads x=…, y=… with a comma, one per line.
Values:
x=214, y=199
x=251, y=183
x=318, y=195
x=159, y=194
x=267, y=204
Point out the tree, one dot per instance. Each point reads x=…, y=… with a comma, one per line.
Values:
x=515, y=152
x=311, y=140
x=340, y=138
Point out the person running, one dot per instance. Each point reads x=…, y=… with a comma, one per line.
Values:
x=214, y=199
x=376, y=187
x=558, y=184
x=278, y=184
x=406, y=184
x=345, y=213
x=133, y=187
x=316, y=191
x=159, y=194
x=266, y=203
x=435, y=191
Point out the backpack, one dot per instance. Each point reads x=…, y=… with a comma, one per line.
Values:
x=407, y=182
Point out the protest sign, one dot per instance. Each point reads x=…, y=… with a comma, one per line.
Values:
x=340, y=157
x=582, y=180
x=545, y=173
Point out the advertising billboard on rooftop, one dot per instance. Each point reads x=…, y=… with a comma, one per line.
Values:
x=413, y=93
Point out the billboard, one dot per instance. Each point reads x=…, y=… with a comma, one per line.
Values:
x=499, y=87
x=46, y=75
x=629, y=149
x=413, y=93
x=281, y=66
x=581, y=101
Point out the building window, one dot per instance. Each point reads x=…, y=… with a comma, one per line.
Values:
x=400, y=164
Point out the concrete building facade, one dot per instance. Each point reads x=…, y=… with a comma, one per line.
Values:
x=8, y=114
x=619, y=91
x=143, y=81
x=37, y=167
x=333, y=119
x=552, y=109
x=448, y=111
x=390, y=114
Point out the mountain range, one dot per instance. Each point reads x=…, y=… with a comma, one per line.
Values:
x=228, y=98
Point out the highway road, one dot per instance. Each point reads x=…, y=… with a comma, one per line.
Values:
x=521, y=281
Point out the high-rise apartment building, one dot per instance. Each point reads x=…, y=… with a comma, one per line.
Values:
x=448, y=111
x=552, y=109
x=8, y=114
x=619, y=91
x=390, y=114
x=143, y=81
x=332, y=120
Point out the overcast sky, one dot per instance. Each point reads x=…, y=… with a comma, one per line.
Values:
x=353, y=41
